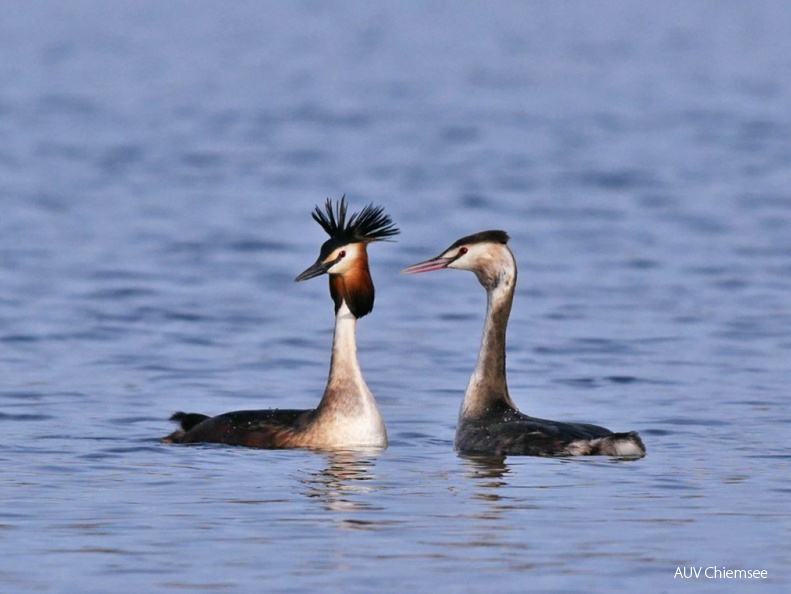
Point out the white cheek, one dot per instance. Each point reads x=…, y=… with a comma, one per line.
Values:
x=472, y=260
x=341, y=267
x=347, y=262
x=457, y=265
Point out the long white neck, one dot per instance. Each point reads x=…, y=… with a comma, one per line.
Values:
x=488, y=386
x=348, y=408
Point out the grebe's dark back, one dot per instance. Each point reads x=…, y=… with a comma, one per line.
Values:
x=347, y=416
x=489, y=422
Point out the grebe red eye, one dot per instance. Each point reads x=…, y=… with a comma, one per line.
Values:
x=342, y=254
x=463, y=251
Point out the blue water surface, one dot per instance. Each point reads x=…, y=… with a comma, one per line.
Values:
x=158, y=165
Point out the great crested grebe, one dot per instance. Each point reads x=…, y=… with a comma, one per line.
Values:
x=347, y=416
x=489, y=422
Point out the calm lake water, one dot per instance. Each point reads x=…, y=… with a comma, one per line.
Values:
x=158, y=166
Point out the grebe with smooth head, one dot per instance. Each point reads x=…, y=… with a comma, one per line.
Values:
x=347, y=415
x=489, y=422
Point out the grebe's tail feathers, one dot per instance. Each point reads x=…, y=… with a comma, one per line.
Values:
x=187, y=422
x=622, y=445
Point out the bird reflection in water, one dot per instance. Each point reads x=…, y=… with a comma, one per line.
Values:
x=345, y=483
x=489, y=473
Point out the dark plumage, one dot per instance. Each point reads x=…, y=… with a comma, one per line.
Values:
x=494, y=236
x=267, y=429
x=504, y=431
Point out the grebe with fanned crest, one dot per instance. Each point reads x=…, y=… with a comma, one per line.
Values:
x=347, y=415
x=489, y=422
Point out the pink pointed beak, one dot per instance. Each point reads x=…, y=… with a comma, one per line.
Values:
x=428, y=266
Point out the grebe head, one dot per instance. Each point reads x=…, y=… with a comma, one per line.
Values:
x=344, y=255
x=485, y=253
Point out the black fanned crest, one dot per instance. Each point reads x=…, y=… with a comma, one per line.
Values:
x=370, y=224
